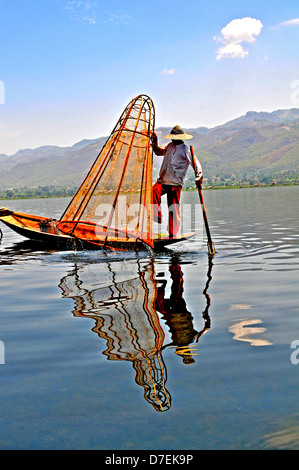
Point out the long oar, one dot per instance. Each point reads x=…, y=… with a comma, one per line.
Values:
x=211, y=247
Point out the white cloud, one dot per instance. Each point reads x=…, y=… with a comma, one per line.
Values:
x=233, y=50
x=168, y=71
x=117, y=19
x=85, y=10
x=88, y=11
x=234, y=34
x=292, y=22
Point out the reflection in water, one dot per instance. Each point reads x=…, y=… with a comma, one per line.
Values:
x=23, y=251
x=244, y=331
x=286, y=438
x=125, y=301
x=240, y=307
x=176, y=315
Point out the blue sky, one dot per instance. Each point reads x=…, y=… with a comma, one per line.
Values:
x=69, y=67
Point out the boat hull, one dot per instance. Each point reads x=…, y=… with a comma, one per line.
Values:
x=48, y=232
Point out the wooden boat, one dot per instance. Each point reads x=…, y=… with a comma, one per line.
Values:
x=113, y=206
x=42, y=229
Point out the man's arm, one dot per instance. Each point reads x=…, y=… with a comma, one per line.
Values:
x=160, y=151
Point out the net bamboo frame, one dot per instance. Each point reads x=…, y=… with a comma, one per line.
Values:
x=113, y=206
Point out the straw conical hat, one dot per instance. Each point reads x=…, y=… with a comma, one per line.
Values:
x=177, y=133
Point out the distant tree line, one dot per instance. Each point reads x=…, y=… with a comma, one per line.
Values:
x=38, y=191
x=246, y=179
x=210, y=181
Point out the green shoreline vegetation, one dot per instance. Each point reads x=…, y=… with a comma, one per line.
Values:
x=46, y=192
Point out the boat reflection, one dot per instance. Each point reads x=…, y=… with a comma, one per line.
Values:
x=128, y=302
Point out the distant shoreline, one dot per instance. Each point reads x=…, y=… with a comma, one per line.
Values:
x=245, y=186
x=190, y=189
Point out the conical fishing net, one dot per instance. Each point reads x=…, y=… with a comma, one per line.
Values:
x=112, y=207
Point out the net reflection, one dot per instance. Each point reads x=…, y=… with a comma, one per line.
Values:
x=129, y=305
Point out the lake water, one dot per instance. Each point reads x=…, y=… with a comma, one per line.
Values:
x=128, y=352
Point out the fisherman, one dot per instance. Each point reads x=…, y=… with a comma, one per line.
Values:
x=177, y=158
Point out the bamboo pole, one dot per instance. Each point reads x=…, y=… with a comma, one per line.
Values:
x=211, y=247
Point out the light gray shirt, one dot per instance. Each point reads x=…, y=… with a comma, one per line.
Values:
x=176, y=161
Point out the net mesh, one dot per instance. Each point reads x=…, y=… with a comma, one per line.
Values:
x=112, y=207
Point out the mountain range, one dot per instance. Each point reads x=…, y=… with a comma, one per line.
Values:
x=256, y=148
